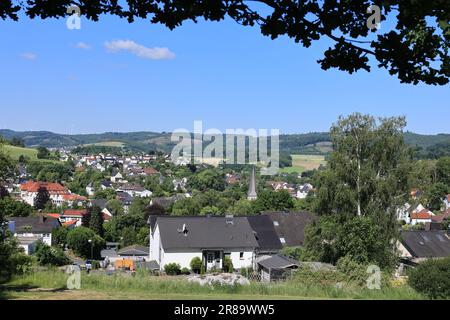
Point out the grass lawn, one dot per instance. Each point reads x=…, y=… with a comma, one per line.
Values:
x=15, y=153
x=304, y=162
x=51, y=285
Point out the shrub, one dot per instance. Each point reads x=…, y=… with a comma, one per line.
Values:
x=185, y=271
x=50, y=256
x=246, y=272
x=172, y=269
x=354, y=271
x=78, y=241
x=308, y=277
x=432, y=278
x=196, y=265
x=228, y=265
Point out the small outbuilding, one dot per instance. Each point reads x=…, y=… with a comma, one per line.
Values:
x=277, y=268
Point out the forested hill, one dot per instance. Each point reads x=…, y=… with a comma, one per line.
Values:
x=309, y=143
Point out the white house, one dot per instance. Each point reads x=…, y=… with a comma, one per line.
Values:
x=90, y=190
x=135, y=190
x=180, y=239
x=304, y=190
x=403, y=213
x=116, y=177
x=421, y=217
x=28, y=230
x=59, y=195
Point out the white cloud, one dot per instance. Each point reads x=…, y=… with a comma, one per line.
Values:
x=139, y=50
x=82, y=45
x=29, y=56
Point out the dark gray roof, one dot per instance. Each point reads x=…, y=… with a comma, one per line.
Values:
x=135, y=251
x=279, y=262
x=124, y=197
x=109, y=253
x=206, y=233
x=167, y=202
x=291, y=226
x=37, y=226
x=427, y=244
x=101, y=203
x=265, y=233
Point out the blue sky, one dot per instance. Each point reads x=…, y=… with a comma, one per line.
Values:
x=227, y=75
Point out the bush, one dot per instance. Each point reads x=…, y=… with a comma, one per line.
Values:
x=354, y=271
x=196, y=265
x=172, y=269
x=322, y=278
x=228, y=265
x=50, y=256
x=185, y=271
x=246, y=272
x=432, y=278
x=78, y=241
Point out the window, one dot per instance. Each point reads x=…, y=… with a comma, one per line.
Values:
x=283, y=240
x=241, y=256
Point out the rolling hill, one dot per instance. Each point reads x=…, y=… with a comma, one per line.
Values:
x=315, y=143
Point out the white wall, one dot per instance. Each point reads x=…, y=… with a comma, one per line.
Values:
x=246, y=262
x=157, y=253
x=182, y=258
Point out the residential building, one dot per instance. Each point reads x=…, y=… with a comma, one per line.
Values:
x=59, y=194
x=28, y=230
x=211, y=239
x=417, y=246
x=290, y=226
x=135, y=190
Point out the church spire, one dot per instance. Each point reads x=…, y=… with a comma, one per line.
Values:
x=252, y=195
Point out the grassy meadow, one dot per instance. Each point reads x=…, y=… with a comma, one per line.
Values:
x=51, y=285
x=16, y=152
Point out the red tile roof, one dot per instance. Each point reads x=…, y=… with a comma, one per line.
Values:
x=53, y=188
x=150, y=171
x=441, y=217
x=75, y=213
x=422, y=215
x=54, y=215
x=70, y=223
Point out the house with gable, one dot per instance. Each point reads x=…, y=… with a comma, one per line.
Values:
x=212, y=239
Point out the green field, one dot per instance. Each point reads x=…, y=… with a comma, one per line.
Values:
x=16, y=152
x=51, y=285
x=304, y=162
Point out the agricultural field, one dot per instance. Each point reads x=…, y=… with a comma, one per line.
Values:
x=304, y=162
